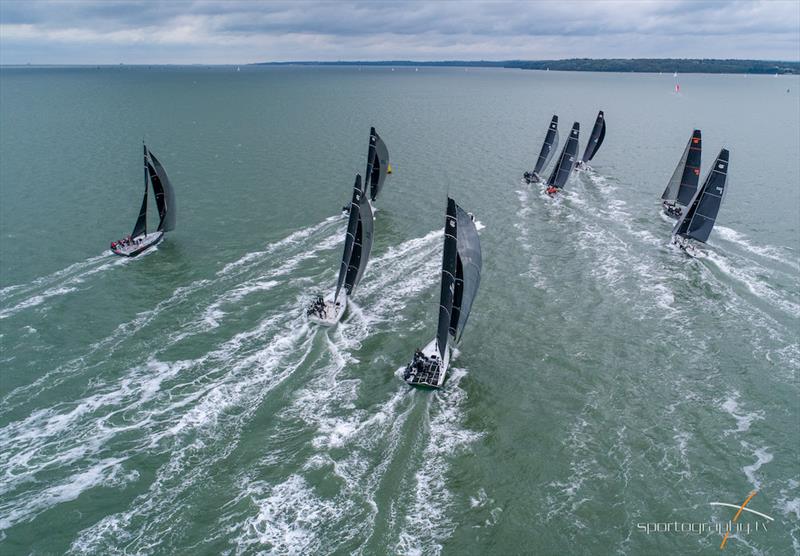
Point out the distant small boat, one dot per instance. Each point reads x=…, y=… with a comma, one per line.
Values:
x=595, y=140
x=566, y=162
x=357, y=246
x=548, y=149
x=461, y=277
x=698, y=220
x=139, y=240
x=675, y=74
x=238, y=68
x=683, y=183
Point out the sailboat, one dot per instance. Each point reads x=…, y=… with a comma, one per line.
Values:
x=548, y=148
x=698, y=220
x=140, y=240
x=357, y=246
x=595, y=140
x=566, y=162
x=683, y=183
x=378, y=167
x=461, y=276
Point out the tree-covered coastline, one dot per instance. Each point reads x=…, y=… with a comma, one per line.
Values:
x=623, y=65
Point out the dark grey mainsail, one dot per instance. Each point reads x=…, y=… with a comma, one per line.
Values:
x=357, y=243
x=361, y=247
x=165, y=195
x=548, y=147
x=596, y=138
x=687, y=174
x=698, y=220
x=377, y=164
x=566, y=162
x=468, y=272
x=449, y=261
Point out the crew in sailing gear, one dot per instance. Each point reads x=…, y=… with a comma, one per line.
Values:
x=552, y=190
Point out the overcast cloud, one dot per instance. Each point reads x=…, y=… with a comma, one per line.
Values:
x=152, y=32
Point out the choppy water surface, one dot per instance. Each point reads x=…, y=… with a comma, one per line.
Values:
x=180, y=403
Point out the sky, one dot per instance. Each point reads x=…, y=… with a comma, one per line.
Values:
x=239, y=32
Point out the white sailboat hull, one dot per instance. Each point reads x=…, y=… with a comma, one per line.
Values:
x=332, y=313
x=138, y=244
x=429, y=370
x=686, y=245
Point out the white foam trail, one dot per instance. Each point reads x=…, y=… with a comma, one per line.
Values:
x=762, y=457
x=289, y=240
x=743, y=419
x=427, y=524
x=754, y=284
x=767, y=252
x=207, y=420
x=50, y=278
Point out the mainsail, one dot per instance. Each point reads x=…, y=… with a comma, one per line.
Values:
x=357, y=243
x=698, y=220
x=449, y=261
x=468, y=272
x=596, y=138
x=566, y=162
x=141, y=222
x=165, y=195
x=377, y=164
x=548, y=148
x=683, y=183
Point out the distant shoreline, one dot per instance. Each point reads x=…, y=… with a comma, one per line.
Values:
x=611, y=65
x=619, y=65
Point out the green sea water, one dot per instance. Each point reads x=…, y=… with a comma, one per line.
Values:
x=179, y=403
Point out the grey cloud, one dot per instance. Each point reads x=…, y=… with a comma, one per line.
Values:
x=227, y=31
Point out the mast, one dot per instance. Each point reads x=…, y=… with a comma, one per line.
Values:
x=548, y=147
x=449, y=257
x=596, y=138
x=350, y=236
x=566, y=162
x=140, y=227
x=698, y=220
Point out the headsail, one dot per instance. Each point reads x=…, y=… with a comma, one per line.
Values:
x=698, y=220
x=548, y=148
x=165, y=196
x=596, y=138
x=449, y=259
x=468, y=272
x=566, y=162
x=377, y=164
x=141, y=222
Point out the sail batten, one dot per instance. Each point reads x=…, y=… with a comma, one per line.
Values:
x=566, y=161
